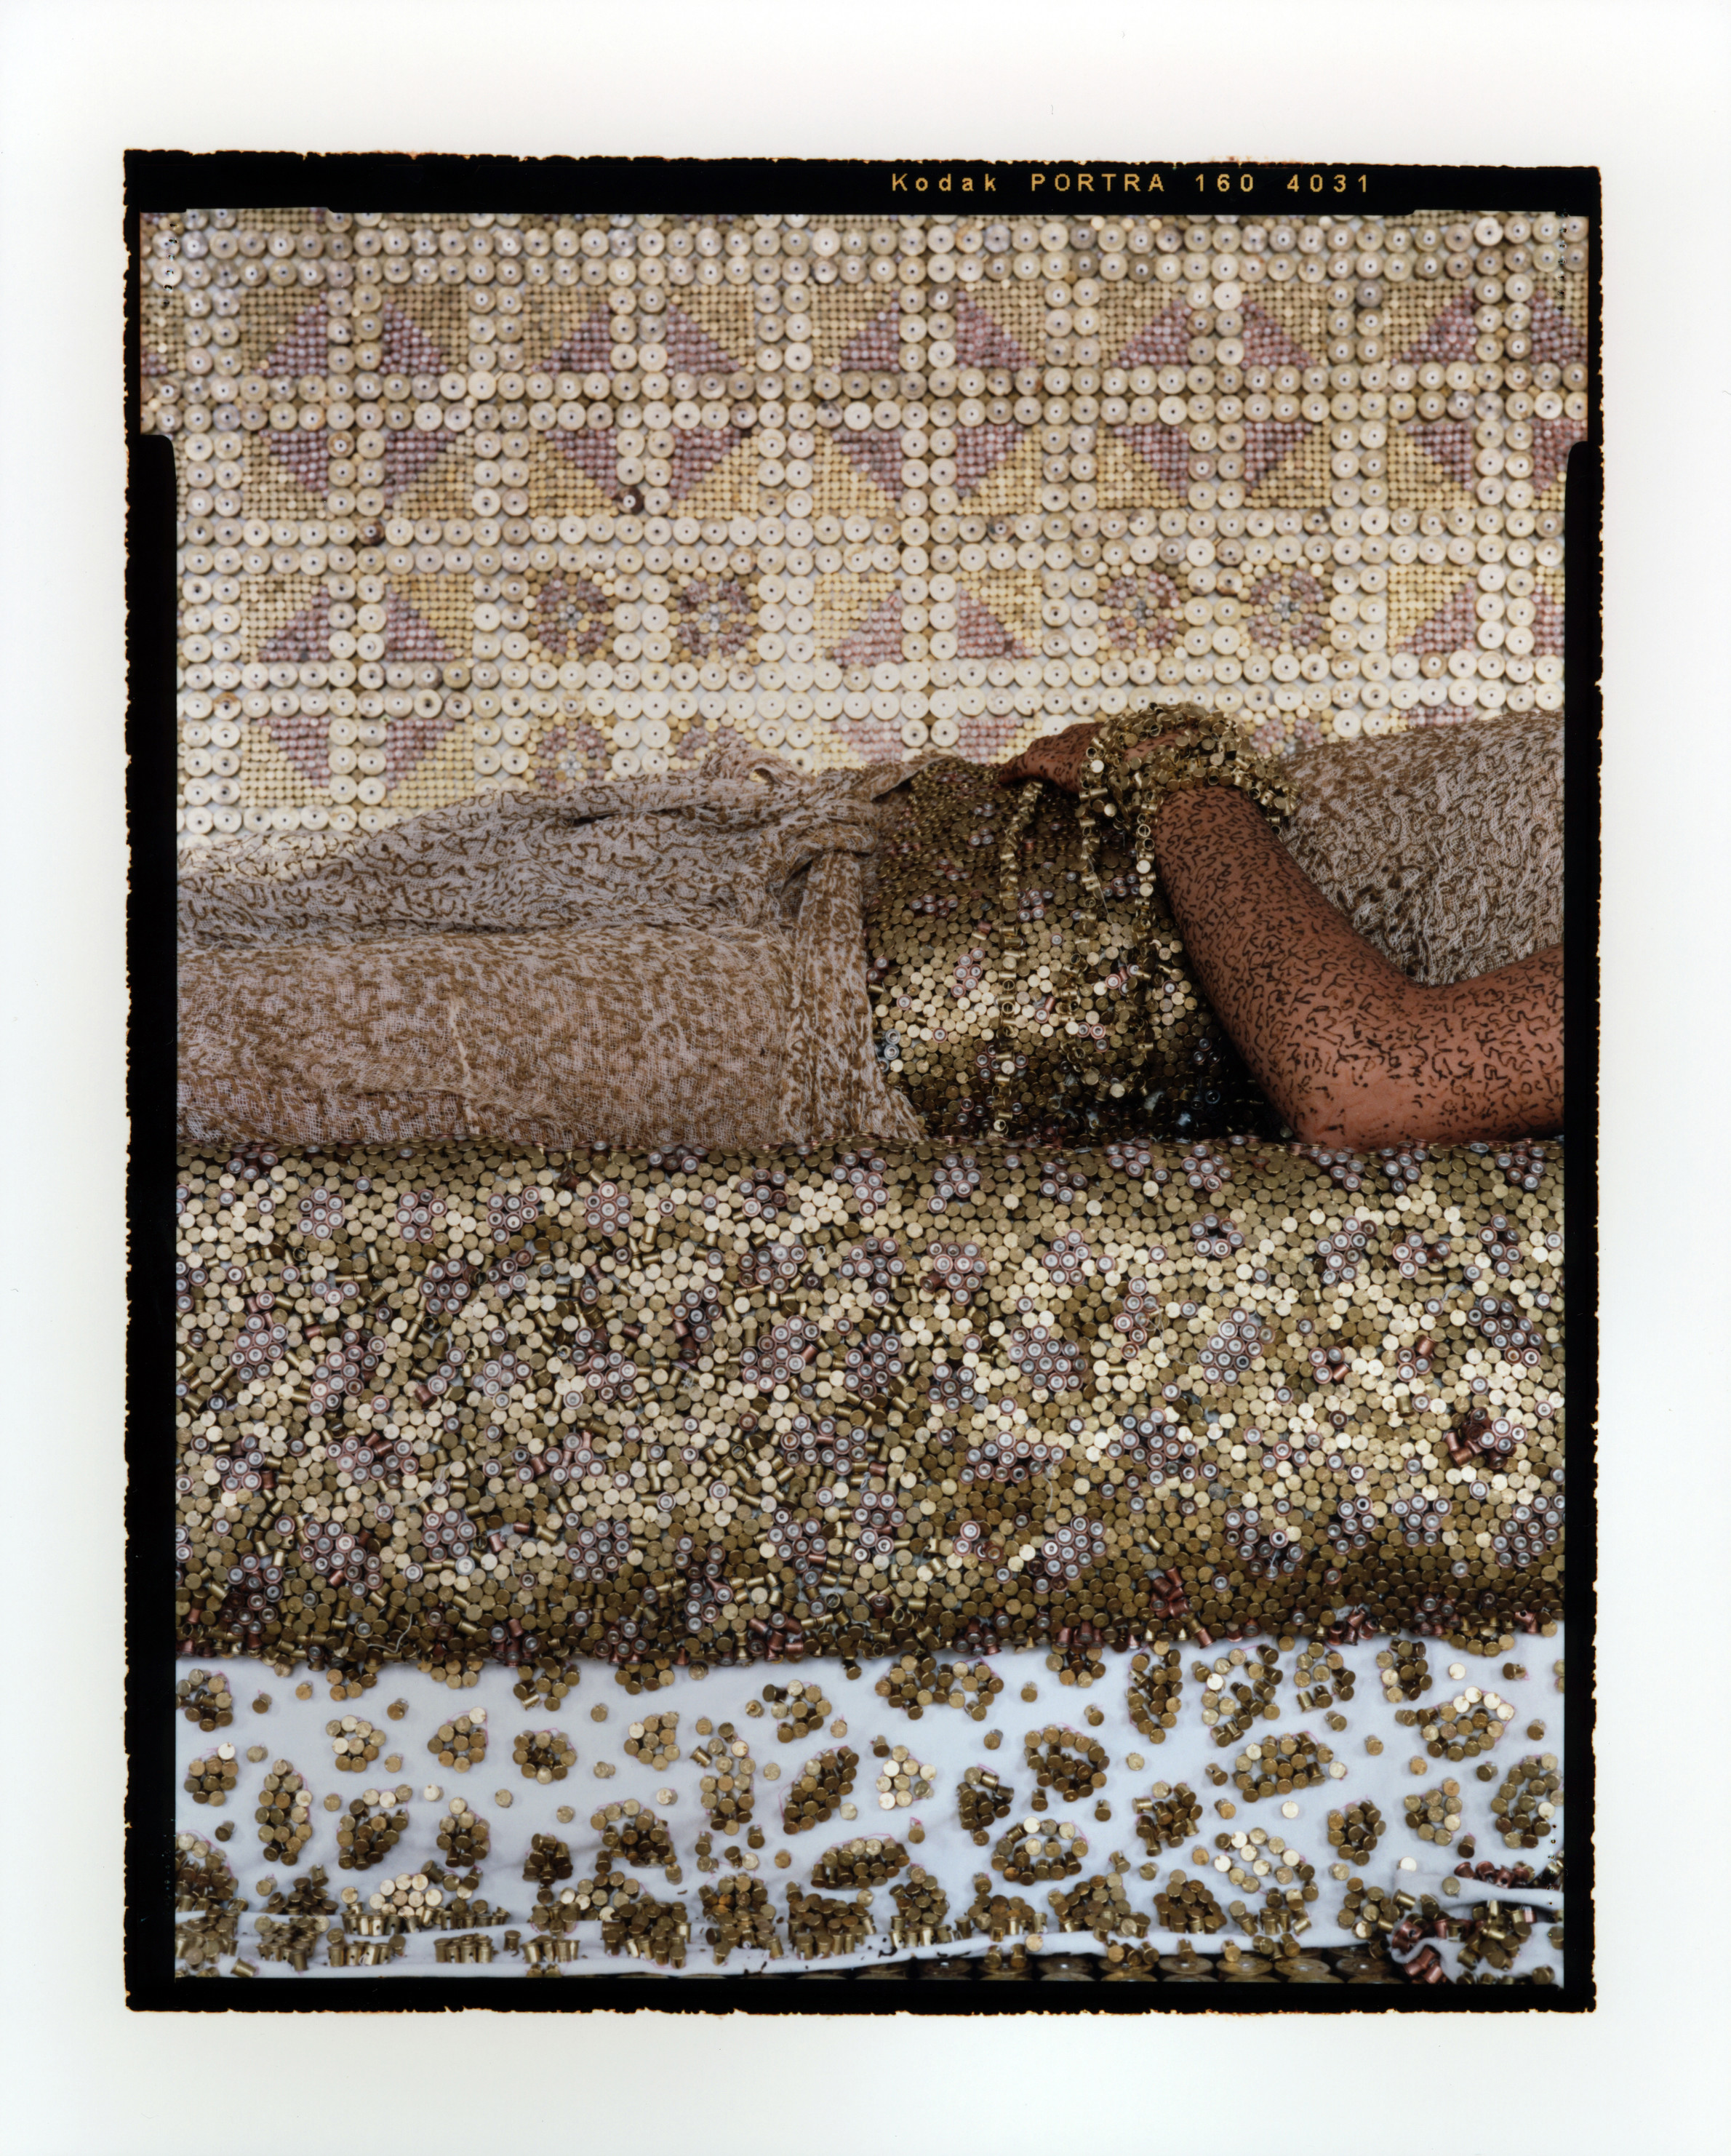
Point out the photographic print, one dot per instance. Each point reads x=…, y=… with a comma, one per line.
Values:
x=851, y=1262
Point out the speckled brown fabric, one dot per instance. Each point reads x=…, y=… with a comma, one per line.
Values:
x=680, y=958
x=1443, y=846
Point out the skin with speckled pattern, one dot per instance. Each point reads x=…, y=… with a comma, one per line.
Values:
x=1350, y=1051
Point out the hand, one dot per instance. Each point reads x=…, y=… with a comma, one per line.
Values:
x=1057, y=758
x=1060, y=758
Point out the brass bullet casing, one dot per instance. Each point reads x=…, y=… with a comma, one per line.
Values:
x=1099, y=1905
x=1239, y=1690
x=463, y=1836
x=1527, y=1803
x=1187, y=1905
x=548, y=1860
x=819, y=1927
x=1293, y=1760
x=633, y=1922
x=818, y=1789
x=1035, y=1850
x=921, y=1907
x=982, y=1799
x=738, y=1912
x=1356, y=1830
x=632, y=1833
x=354, y=1743
x=1435, y=1814
x=725, y=1789
x=296, y=1919
x=655, y=1740
x=1405, y=1671
x=917, y=1682
x=866, y=1860
x=1156, y=1691
x=905, y=1780
x=203, y=1697
x=461, y=1742
x=1167, y=1818
x=209, y=1780
x=798, y=1709
x=543, y=1755
x=1322, y=1676
x=540, y=1690
x=1072, y=1766
x=284, y=1815
x=367, y=1832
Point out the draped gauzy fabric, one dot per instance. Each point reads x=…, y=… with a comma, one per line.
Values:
x=675, y=959
x=1442, y=846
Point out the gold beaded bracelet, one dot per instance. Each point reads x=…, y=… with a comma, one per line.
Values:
x=1191, y=747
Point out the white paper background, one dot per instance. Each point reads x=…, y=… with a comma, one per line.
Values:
x=1640, y=91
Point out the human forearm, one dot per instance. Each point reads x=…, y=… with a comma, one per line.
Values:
x=1349, y=1050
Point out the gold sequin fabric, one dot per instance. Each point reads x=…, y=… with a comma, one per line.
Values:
x=668, y=1407
x=519, y=502
x=1027, y=978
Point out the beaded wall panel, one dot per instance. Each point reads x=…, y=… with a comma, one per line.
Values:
x=488, y=501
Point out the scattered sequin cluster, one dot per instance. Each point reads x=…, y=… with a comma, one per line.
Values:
x=585, y=1900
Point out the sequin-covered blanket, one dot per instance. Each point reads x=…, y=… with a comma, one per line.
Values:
x=669, y=1408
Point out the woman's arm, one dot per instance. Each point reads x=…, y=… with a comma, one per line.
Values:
x=1349, y=1050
